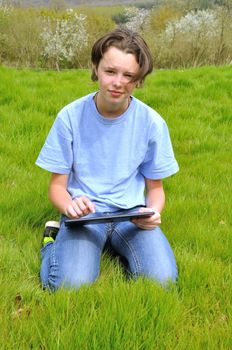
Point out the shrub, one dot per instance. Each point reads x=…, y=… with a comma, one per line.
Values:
x=5, y=11
x=161, y=16
x=20, y=38
x=119, y=18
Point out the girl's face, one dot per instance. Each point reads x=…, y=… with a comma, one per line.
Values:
x=114, y=72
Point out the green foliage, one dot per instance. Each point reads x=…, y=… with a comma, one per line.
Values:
x=160, y=17
x=188, y=5
x=23, y=45
x=20, y=34
x=120, y=18
x=115, y=313
x=148, y=5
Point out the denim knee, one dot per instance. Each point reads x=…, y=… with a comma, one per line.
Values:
x=69, y=282
x=162, y=274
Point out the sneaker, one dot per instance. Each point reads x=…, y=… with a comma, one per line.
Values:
x=50, y=232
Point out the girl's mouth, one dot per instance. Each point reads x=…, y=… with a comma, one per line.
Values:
x=115, y=93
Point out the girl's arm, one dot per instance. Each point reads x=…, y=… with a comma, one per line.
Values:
x=155, y=197
x=155, y=200
x=61, y=199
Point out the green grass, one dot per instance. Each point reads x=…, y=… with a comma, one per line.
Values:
x=115, y=313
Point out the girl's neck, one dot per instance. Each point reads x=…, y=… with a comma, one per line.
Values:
x=110, y=112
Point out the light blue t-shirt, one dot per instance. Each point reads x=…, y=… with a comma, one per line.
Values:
x=107, y=158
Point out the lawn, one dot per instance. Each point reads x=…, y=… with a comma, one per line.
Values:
x=117, y=313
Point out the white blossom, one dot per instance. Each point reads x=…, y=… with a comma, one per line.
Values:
x=5, y=7
x=202, y=24
x=136, y=18
x=64, y=38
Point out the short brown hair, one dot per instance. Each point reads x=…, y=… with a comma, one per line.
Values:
x=126, y=41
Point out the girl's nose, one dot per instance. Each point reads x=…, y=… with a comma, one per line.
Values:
x=118, y=80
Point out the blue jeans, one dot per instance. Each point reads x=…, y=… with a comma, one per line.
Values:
x=74, y=258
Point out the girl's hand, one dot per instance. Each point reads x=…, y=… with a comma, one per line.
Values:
x=149, y=222
x=79, y=206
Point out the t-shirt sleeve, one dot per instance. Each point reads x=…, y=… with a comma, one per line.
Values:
x=159, y=161
x=56, y=155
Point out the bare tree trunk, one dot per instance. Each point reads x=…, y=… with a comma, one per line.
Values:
x=57, y=66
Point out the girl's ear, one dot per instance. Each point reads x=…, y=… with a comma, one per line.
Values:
x=94, y=75
x=139, y=84
x=94, y=68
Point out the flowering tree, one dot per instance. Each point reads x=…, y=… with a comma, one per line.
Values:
x=194, y=37
x=136, y=18
x=194, y=26
x=64, y=38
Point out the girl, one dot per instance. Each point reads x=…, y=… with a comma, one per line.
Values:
x=109, y=151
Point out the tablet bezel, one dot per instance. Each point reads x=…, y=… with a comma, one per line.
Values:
x=108, y=217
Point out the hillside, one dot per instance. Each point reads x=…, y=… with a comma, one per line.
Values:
x=74, y=3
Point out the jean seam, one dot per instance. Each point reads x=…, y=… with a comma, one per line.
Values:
x=43, y=250
x=109, y=229
x=53, y=263
x=133, y=253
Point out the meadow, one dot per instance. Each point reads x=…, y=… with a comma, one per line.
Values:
x=117, y=313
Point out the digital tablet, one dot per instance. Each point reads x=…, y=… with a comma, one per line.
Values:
x=97, y=218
